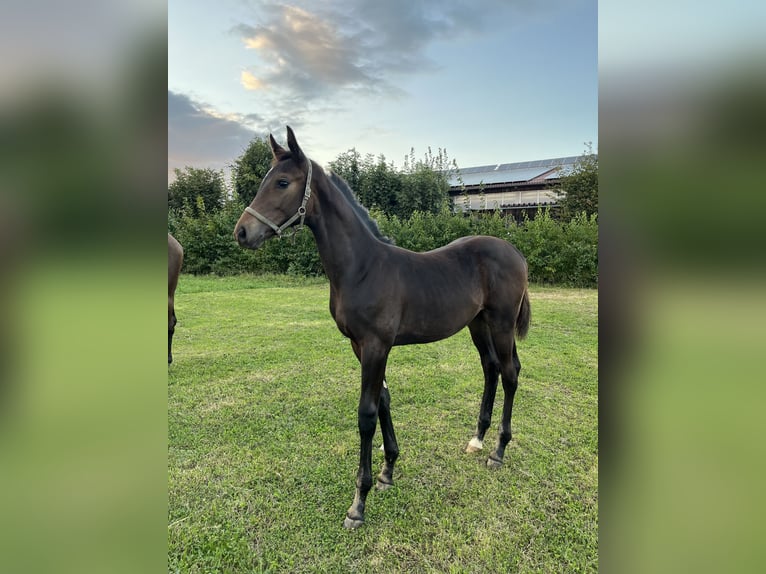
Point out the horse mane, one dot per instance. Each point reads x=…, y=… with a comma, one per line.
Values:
x=358, y=208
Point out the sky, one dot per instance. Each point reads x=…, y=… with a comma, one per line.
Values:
x=489, y=81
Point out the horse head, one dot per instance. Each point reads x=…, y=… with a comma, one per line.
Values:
x=282, y=199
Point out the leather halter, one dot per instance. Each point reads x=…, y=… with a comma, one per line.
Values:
x=301, y=213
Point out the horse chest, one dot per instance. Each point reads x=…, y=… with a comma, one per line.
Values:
x=350, y=317
x=338, y=313
x=341, y=316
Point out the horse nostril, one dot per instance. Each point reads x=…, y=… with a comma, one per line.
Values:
x=241, y=233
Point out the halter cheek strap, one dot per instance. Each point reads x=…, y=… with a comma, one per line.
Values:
x=300, y=214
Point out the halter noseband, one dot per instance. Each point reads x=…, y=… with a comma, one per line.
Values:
x=301, y=213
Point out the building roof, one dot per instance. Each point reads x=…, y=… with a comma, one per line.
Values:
x=520, y=172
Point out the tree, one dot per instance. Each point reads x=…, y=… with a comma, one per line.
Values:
x=425, y=184
x=347, y=165
x=580, y=188
x=422, y=190
x=250, y=168
x=422, y=185
x=193, y=183
x=375, y=182
x=379, y=185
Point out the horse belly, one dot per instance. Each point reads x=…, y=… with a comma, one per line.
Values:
x=434, y=323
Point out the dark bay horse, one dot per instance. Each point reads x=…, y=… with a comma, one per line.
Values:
x=382, y=295
x=175, y=260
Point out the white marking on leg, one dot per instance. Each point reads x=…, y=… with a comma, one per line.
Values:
x=476, y=443
x=385, y=386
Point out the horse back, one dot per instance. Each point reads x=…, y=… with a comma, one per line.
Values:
x=495, y=261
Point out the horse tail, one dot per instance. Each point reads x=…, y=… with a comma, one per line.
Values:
x=524, y=316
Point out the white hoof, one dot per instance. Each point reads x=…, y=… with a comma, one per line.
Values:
x=475, y=445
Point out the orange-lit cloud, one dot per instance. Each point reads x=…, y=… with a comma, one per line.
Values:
x=250, y=82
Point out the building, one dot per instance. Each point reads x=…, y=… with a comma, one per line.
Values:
x=512, y=188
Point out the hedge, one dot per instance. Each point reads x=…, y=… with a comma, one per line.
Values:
x=557, y=252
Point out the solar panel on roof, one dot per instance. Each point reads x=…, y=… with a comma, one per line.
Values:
x=513, y=172
x=564, y=170
x=505, y=176
x=531, y=173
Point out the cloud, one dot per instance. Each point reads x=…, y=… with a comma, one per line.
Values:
x=200, y=136
x=356, y=47
x=305, y=54
x=250, y=82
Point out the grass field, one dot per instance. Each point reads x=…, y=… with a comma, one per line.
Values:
x=263, y=443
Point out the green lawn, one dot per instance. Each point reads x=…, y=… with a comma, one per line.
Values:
x=263, y=444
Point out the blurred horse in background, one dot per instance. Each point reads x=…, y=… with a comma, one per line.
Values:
x=175, y=260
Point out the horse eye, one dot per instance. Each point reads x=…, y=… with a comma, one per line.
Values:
x=283, y=183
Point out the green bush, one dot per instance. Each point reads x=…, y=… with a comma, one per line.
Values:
x=423, y=231
x=562, y=253
x=541, y=240
x=579, y=253
x=208, y=240
x=210, y=247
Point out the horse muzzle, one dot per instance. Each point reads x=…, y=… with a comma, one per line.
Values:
x=249, y=237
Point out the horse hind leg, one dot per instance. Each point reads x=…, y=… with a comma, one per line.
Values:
x=490, y=364
x=172, y=321
x=390, y=446
x=509, y=368
x=386, y=425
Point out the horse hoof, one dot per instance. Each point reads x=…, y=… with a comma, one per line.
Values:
x=475, y=445
x=352, y=523
x=493, y=463
x=381, y=486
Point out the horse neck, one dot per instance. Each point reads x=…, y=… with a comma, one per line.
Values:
x=344, y=242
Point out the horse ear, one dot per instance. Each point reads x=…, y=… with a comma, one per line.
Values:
x=292, y=143
x=277, y=150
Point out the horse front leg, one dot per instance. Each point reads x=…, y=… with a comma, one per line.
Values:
x=373, y=359
x=390, y=446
